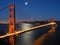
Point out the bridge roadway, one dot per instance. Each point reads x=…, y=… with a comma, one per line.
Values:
x=26, y=30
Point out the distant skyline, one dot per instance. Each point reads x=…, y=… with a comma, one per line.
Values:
x=34, y=9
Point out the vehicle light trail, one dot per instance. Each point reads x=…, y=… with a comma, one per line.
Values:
x=26, y=30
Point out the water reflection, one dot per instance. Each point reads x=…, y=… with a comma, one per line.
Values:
x=25, y=38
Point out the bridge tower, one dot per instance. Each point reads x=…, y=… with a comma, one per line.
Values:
x=12, y=23
x=53, y=26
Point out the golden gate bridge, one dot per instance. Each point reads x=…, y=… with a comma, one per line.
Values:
x=12, y=28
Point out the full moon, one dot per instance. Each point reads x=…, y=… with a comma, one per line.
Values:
x=26, y=3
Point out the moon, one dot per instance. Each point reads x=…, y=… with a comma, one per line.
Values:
x=26, y=3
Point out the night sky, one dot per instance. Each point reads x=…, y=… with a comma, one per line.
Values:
x=35, y=9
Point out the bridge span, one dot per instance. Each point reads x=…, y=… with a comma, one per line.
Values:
x=26, y=30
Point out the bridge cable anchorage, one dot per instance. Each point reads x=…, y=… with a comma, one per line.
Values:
x=26, y=30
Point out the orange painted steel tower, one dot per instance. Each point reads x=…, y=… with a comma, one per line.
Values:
x=12, y=23
x=53, y=26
